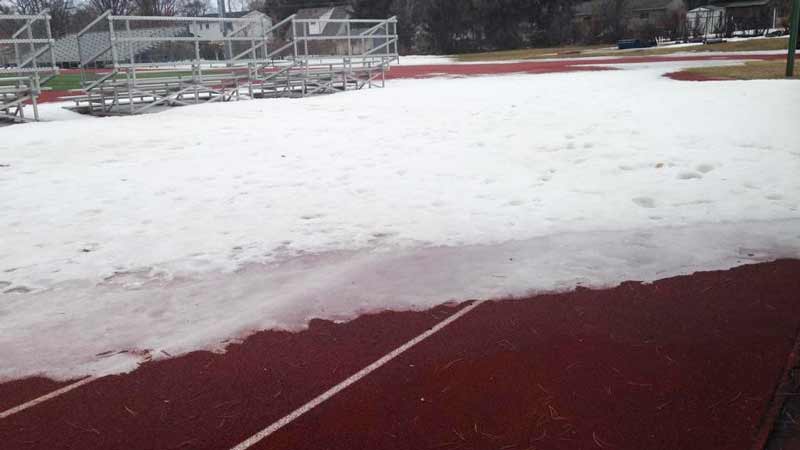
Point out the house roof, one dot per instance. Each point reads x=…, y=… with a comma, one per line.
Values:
x=584, y=8
x=650, y=5
x=339, y=12
x=592, y=7
x=708, y=8
x=743, y=4
x=233, y=15
x=331, y=12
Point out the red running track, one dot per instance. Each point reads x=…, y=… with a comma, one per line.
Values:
x=683, y=363
x=554, y=66
x=532, y=67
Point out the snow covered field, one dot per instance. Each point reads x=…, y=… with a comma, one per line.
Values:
x=183, y=229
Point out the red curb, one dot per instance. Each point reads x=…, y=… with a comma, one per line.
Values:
x=786, y=386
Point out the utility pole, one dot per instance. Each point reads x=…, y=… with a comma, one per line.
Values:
x=794, y=24
x=223, y=28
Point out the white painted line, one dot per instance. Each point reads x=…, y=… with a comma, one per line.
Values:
x=253, y=440
x=44, y=398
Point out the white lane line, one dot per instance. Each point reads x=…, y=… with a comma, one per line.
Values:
x=46, y=397
x=253, y=440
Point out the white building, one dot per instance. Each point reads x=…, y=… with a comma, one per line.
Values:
x=212, y=31
x=705, y=20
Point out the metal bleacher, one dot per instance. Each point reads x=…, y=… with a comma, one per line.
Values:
x=28, y=61
x=133, y=64
x=67, y=49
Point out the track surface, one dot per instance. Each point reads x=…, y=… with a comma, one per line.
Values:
x=556, y=66
x=533, y=67
x=687, y=362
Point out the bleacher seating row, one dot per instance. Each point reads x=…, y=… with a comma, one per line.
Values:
x=119, y=94
x=68, y=53
x=15, y=94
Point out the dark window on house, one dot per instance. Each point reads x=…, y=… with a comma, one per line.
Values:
x=644, y=16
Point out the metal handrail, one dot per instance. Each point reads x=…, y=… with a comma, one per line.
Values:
x=43, y=15
x=181, y=19
x=280, y=24
x=275, y=52
x=390, y=20
x=36, y=55
x=93, y=23
x=100, y=80
x=386, y=44
x=26, y=41
x=288, y=69
x=25, y=16
x=13, y=107
x=373, y=29
x=343, y=37
x=94, y=57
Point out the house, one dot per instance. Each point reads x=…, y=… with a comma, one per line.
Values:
x=585, y=12
x=320, y=27
x=655, y=13
x=736, y=17
x=705, y=20
x=213, y=31
x=323, y=28
x=629, y=17
x=752, y=15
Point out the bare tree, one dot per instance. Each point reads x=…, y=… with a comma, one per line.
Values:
x=193, y=8
x=156, y=7
x=82, y=16
x=615, y=15
x=30, y=6
x=237, y=5
x=117, y=7
x=60, y=11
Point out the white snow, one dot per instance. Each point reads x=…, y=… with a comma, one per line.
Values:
x=432, y=60
x=183, y=229
x=426, y=60
x=699, y=47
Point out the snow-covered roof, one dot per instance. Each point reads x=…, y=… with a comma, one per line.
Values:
x=236, y=14
x=744, y=4
x=651, y=5
x=335, y=12
x=707, y=8
x=591, y=7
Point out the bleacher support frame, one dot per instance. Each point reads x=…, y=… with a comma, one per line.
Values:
x=260, y=60
x=34, y=64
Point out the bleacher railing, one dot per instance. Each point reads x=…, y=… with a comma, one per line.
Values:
x=121, y=42
x=26, y=62
x=217, y=58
